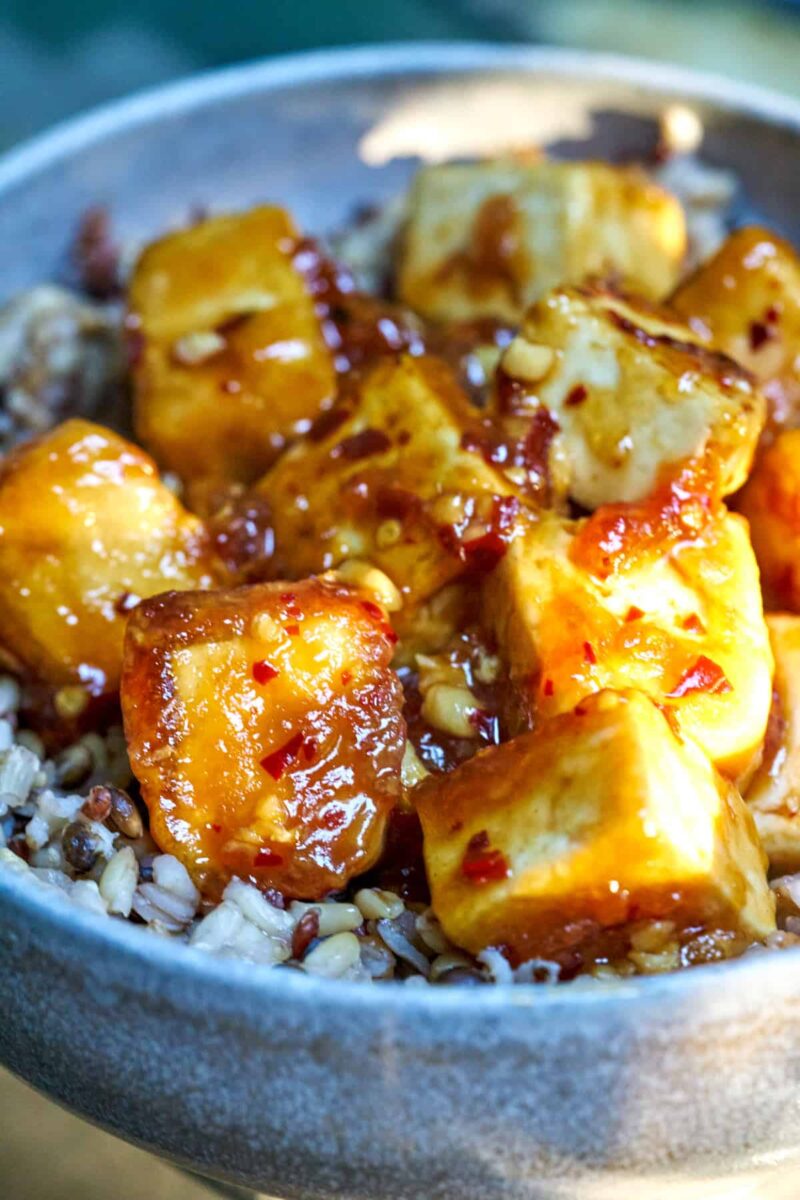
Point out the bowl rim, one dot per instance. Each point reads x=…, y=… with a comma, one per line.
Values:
x=395, y=59
x=31, y=903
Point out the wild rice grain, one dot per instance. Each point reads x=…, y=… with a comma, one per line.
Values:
x=122, y=813
x=256, y=909
x=305, y=931
x=334, y=956
x=171, y=875
x=400, y=945
x=9, y=695
x=118, y=882
x=18, y=768
x=376, y=904
x=333, y=917
x=430, y=931
x=80, y=847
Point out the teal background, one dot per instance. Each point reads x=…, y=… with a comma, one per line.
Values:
x=58, y=56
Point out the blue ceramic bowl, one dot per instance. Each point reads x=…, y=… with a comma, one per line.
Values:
x=308, y=1088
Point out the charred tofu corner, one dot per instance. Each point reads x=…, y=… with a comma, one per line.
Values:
x=265, y=728
x=564, y=841
x=87, y=530
x=231, y=362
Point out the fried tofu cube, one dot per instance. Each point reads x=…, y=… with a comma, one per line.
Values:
x=633, y=395
x=87, y=529
x=559, y=839
x=264, y=726
x=745, y=301
x=233, y=362
x=395, y=483
x=771, y=503
x=679, y=619
x=489, y=238
x=774, y=794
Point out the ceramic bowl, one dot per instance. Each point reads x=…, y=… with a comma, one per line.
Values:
x=318, y=1089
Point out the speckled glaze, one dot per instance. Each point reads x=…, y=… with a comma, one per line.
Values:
x=314, y=1089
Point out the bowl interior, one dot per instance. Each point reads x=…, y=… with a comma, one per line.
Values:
x=656, y=1075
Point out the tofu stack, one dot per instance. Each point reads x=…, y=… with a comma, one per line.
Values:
x=569, y=569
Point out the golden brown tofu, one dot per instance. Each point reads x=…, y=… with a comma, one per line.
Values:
x=392, y=480
x=774, y=794
x=233, y=363
x=581, y=606
x=632, y=395
x=746, y=301
x=559, y=839
x=87, y=529
x=488, y=238
x=264, y=726
x=771, y=502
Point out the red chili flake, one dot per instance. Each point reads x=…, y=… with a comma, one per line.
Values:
x=481, y=555
x=276, y=763
x=543, y=429
x=215, y=828
x=509, y=392
x=377, y=614
x=634, y=613
x=672, y=720
x=373, y=610
x=327, y=423
x=396, y=502
x=704, y=676
x=289, y=601
x=347, y=677
x=759, y=334
x=97, y=804
x=548, y=687
x=265, y=857
x=362, y=445
x=693, y=624
x=772, y=316
x=125, y=603
x=306, y=929
x=589, y=654
x=292, y=630
x=577, y=395
x=579, y=710
x=403, y=437
x=263, y=671
x=482, y=864
x=310, y=749
x=485, y=442
x=487, y=726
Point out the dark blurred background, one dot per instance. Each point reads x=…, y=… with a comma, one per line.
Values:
x=58, y=57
